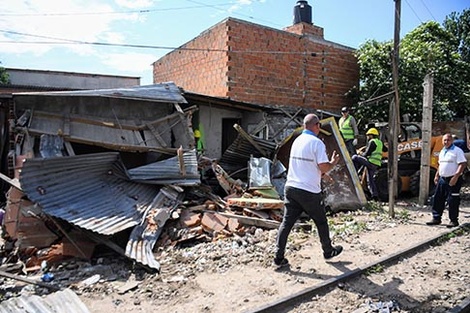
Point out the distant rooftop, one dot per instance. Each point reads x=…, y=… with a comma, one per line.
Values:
x=58, y=80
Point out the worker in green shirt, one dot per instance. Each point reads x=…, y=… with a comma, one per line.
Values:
x=199, y=143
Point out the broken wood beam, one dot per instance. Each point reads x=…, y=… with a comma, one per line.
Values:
x=256, y=203
x=253, y=221
x=250, y=140
x=29, y=281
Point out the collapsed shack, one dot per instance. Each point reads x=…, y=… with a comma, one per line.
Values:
x=118, y=170
x=342, y=188
x=76, y=166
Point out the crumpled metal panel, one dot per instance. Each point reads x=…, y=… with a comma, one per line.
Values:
x=145, y=235
x=176, y=170
x=163, y=92
x=243, y=147
x=92, y=191
x=58, y=302
x=341, y=186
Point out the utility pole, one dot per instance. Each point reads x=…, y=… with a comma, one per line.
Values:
x=394, y=117
x=426, y=128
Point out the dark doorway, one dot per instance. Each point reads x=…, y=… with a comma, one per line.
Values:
x=229, y=133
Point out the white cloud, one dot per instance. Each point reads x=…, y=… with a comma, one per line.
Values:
x=241, y=3
x=52, y=20
x=136, y=64
x=135, y=4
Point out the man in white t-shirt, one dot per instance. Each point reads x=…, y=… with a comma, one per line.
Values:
x=452, y=163
x=307, y=162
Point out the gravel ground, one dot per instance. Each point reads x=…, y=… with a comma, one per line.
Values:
x=236, y=273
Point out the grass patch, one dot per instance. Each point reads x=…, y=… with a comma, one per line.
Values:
x=348, y=226
x=403, y=215
x=374, y=206
x=379, y=268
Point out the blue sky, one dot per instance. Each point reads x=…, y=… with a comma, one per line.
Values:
x=33, y=32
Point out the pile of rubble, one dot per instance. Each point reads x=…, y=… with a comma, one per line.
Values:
x=87, y=176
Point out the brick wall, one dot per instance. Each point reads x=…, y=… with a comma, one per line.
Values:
x=304, y=29
x=200, y=65
x=264, y=66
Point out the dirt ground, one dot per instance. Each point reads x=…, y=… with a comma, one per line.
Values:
x=236, y=274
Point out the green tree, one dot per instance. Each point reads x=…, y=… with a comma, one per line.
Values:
x=459, y=25
x=4, y=79
x=375, y=71
x=429, y=48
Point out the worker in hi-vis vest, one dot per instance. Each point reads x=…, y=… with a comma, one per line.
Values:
x=348, y=129
x=199, y=143
x=371, y=158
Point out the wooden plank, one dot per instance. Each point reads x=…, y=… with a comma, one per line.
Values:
x=181, y=162
x=256, y=203
x=250, y=140
x=29, y=281
x=269, y=224
x=69, y=148
x=253, y=221
x=12, y=181
x=155, y=133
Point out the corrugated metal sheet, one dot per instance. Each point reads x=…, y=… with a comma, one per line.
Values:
x=145, y=235
x=243, y=147
x=58, y=302
x=164, y=92
x=169, y=171
x=91, y=191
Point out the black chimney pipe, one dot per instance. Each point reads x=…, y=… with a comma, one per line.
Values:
x=302, y=12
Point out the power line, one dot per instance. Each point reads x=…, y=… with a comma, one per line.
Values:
x=71, y=42
x=428, y=10
x=198, y=5
x=62, y=41
x=414, y=12
x=108, y=12
x=235, y=13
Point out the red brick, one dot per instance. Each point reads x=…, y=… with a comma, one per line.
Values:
x=264, y=65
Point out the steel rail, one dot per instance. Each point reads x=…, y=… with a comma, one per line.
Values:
x=307, y=293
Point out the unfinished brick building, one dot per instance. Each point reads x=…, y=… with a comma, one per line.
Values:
x=252, y=63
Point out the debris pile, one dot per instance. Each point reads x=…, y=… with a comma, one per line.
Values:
x=90, y=179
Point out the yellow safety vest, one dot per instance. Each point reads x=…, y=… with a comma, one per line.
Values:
x=376, y=156
x=346, y=129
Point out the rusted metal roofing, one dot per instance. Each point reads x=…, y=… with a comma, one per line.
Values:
x=91, y=191
x=163, y=92
x=176, y=170
x=145, y=235
x=58, y=302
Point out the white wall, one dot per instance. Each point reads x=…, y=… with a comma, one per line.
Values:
x=211, y=120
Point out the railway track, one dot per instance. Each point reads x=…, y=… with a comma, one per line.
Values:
x=288, y=303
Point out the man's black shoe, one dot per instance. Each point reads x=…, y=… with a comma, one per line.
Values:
x=453, y=224
x=335, y=252
x=434, y=222
x=280, y=263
